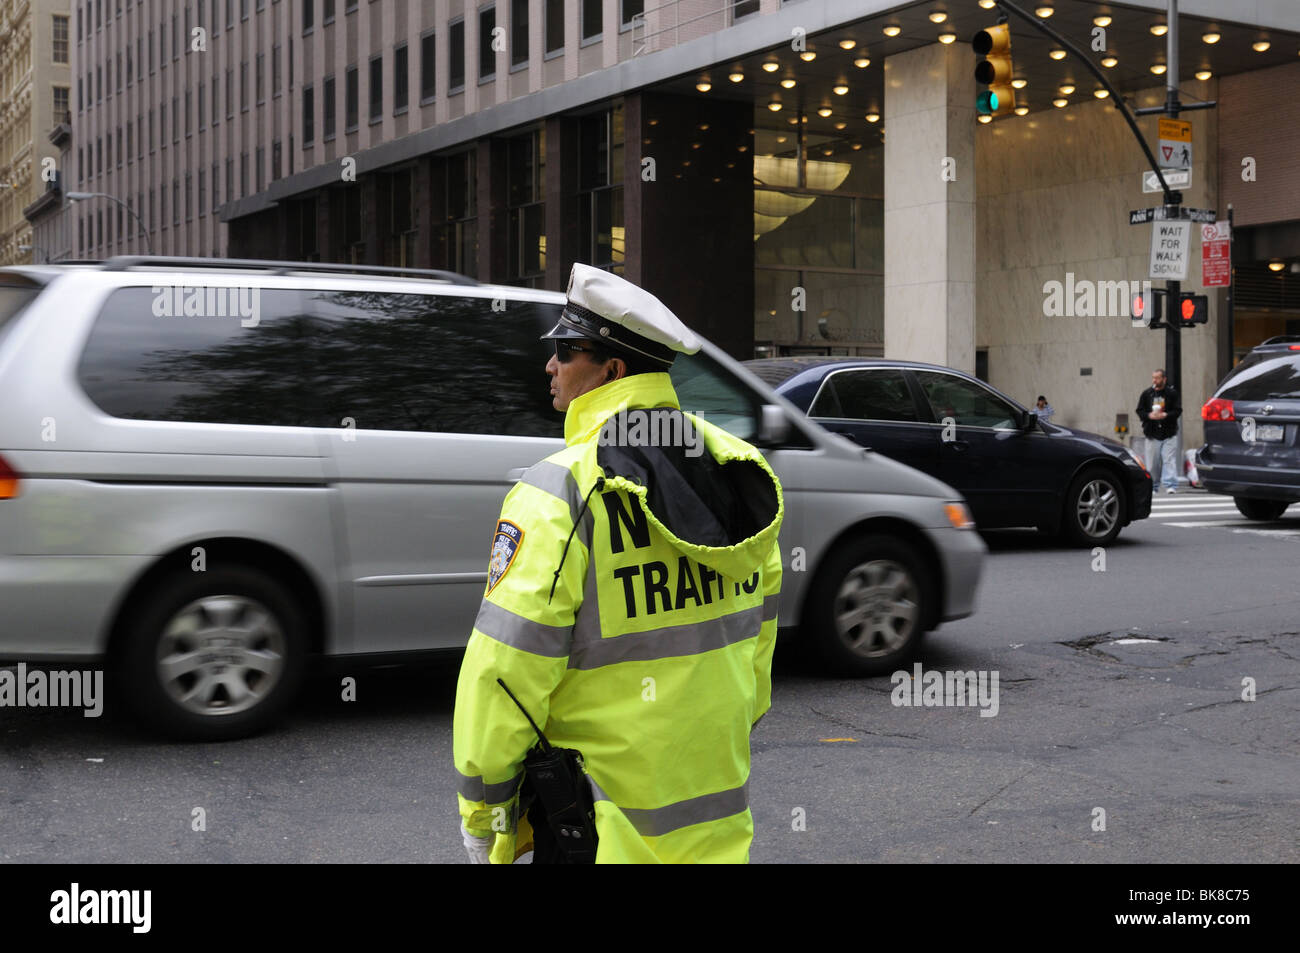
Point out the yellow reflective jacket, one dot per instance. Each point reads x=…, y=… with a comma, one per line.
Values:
x=631, y=607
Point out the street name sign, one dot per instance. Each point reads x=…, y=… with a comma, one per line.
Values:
x=1169, y=245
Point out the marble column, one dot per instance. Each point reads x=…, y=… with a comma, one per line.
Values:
x=930, y=206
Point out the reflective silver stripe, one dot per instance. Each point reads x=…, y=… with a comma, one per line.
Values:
x=586, y=626
x=514, y=630
x=559, y=482
x=769, y=607
x=472, y=788
x=657, y=821
x=691, y=638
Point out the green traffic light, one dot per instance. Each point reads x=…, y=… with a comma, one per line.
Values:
x=987, y=102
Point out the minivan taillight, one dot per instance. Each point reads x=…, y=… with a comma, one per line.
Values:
x=1216, y=408
x=9, y=480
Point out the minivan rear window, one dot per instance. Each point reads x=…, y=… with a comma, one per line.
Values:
x=1263, y=376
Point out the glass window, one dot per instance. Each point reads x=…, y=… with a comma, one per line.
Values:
x=1261, y=376
x=456, y=55
x=327, y=108
x=632, y=8
x=308, y=14
x=707, y=389
x=967, y=402
x=487, y=56
x=377, y=88
x=144, y=362
x=401, y=78
x=60, y=38
x=518, y=32
x=351, y=99
x=428, y=85
x=865, y=395
x=308, y=115
x=554, y=25
x=591, y=18
x=455, y=234
x=525, y=180
x=371, y=355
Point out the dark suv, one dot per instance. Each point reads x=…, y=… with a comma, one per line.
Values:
x=1252, y=431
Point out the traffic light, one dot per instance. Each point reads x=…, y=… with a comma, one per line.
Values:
x=994, y=71
x=1193, y=309
x=1148, y=308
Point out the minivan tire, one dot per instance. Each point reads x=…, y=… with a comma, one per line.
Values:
x=1254, y=509
x=231, y=681
x=1094, y=508
x=869, y=606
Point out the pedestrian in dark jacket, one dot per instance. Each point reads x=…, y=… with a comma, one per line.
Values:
x=1160, y=407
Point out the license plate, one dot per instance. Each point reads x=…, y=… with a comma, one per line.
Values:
x=1271, y=433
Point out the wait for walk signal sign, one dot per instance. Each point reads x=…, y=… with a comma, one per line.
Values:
x=994, y=71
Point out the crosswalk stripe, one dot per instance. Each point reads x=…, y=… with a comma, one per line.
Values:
x=1166, y=516
x=1223, y=523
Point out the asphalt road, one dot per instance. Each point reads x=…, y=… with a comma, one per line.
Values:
x=1155, y=733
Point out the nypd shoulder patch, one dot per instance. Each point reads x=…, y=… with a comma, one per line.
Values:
x=505, y=546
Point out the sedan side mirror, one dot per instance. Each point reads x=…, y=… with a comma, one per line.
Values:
x=1030, y=422
x=773, y=426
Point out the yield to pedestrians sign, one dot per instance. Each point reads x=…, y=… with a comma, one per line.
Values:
x=1174, y=148
x=1169, y=244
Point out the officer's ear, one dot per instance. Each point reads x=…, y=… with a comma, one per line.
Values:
x=617, y=369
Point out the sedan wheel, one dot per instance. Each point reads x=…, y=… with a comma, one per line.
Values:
x=1094, y=509
x=1260, y=509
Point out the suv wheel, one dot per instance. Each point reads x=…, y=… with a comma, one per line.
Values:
x=213, y=655
x=1260, y=509
x=869, y=606
x=1094, y=508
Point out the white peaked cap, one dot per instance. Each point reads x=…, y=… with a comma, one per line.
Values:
x=604, y=307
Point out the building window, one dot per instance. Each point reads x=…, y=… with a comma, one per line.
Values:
x=328, y=107
x=632, y=8
x=377, y=88
x=526, y=209
x=744, y=8
x=487, y=56
x=129, y=144
x=276, y=154
x=130, y=66
x=80, y=23
x=60, y=34
x=592, y=23
x=230, y=99
x=554, y=25
x=230, y=179
x=308, y=13
x=455, y=202
x=216, y=110
x=203, y=193
x=600, y=190
x=259, y=73
x=216, y=185
x=399, y=245
x=187, y=114
x=275, y=70
x=518, y=32
x=456, y=56
x=243, y=174
x=201, y=110
x=327, y=12
x=428, y=83
x=243, y=86
x=308, y=115
x=60, y=103
x=351, y=99
x=189, y=215
x=259, y=168
x=176, y=116
x=176, y=202
x=401, y=79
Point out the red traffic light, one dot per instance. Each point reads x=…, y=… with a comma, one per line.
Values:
x=1139, y=305
x=1189, y=309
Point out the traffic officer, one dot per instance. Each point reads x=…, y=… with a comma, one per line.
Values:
x=630, y=603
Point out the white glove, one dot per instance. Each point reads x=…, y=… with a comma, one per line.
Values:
x=477, y=847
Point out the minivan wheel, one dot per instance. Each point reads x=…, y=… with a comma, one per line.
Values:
x=215, y=655
x=869, y=606
x=1260, y=509
x=1094, y=509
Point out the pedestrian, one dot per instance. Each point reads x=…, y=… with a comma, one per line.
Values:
x=630, y=605
x=1043, y=409
x=1160, y=407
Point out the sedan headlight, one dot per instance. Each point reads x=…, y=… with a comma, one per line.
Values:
x=1136, y=458
x=958, y=516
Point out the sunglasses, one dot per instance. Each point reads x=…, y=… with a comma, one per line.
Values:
x=564, y=351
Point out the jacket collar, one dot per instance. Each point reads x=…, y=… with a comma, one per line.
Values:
x=588, y=413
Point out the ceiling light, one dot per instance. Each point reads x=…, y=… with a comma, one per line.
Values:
x=1159, y=29
x=1210, y=37
x=803, y=118
x=1158, y=68
x=946, y=38
x=1019, y=83
x=1067, y=89
x=1101, y=93
x=1059, y=102
x=1057, y=54
x=654, y=122
x=775, y=107
x=839, y=90
x=780, y=138
x=736, y=77
x=988, y=4
x=788, y=83
x=704, y=86
x=1021, y=110
x=695, y=145
x=1044, y=12
x=824, y=112
x=985, y=118
x=873, y=117
x=857, y=146
x=841, y=125
x=807, y=56
x=847, y=44
x=1203, y=74
x=862, y=62
x=793, y=121
x=771, y=66
x=1109, y=62
x=1276, y=265
x=892, y=30
x=1259, y=46
x=828, y=151
x=938, y=16
x=1101, y=21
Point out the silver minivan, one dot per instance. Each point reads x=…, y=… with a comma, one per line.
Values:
x=213, y=470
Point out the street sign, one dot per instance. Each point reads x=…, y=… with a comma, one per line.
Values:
x=1177, y=179
x=1140, y=216
x=1215, y=270
x=1174, y=148
x=1169, y=244
x=1202, y=215
x=1170, y=213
